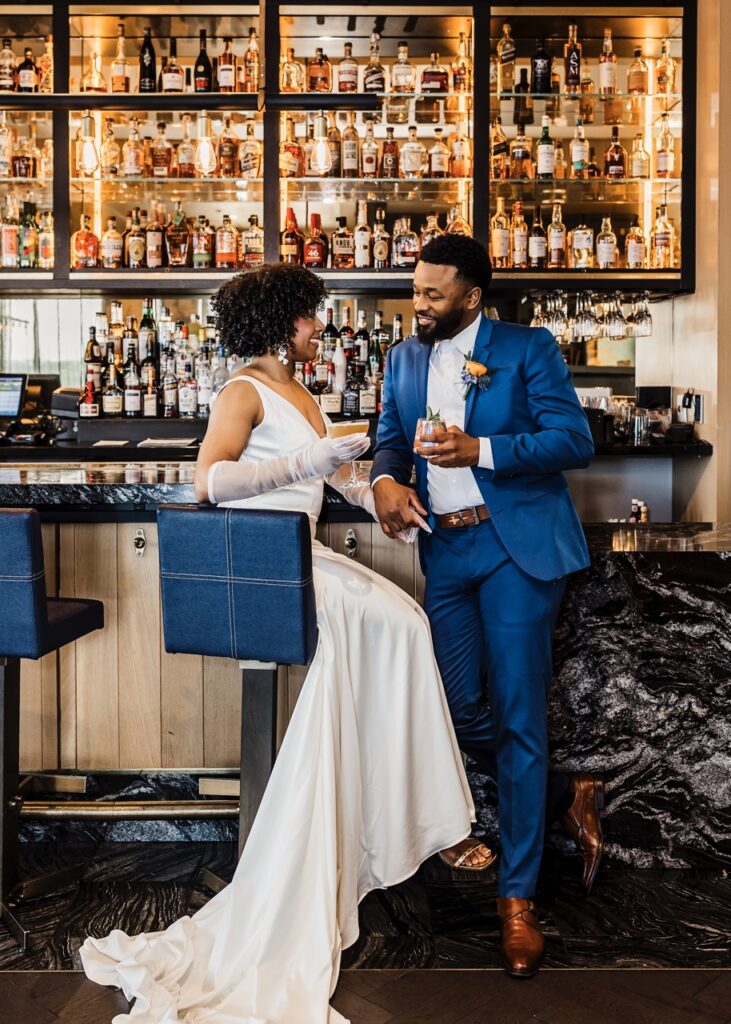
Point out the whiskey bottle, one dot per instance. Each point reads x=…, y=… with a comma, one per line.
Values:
x=228, y=148
x=362, y=239
x=556, y=239
x=46, y=242
x=9, y=234
x=540, y=70
x=162, y=153
x=346, y=335
x=381, y=241
x=582, y=247
x=545, y=152
x=434, y=77
x=150, y=398
x=169, y=391
x=89, y=407
x=227, y=245
x=639, y=159
x=506, y=62
x=635, y=247
x=109, y=152
x=343, y=246
x=462, y=67
x=94, y=80
x=291, y=242
x=291, y=154
x=518, y=238
x=119, y=70
x=537, y=243
x=227, y=67
x=251, y=245
x=186, y=151
x=177, y=237
x=405, y=245
x=84, y=244
x=431, y=229
x=607, y=66
x=438, y=156
x=188, y=393
x=374, y=74
x=665, y=150
x=615, y=158
x=348, y=71
x=665, y=71
x=521, y=155
x=361, y=338
x=403, y=72
x=148, y=72
x=315, y=247
x=203, y=72
x=8, y=78
x=559, y=161
x=93, y=359
x=111, y=246
x=135, y=243
x=248, y=69
x=202, y=245
x=457, y=224
x=27, y=73
x=132, y=386
x=334, y=141
x=292, y=74
x=331, y=397
x=147, y=340
x=414, y=157
x=662, y=241
x=572, y=61
x=460, y=153
x=350, y=148
x=28, y=237
x=133, y=153
x=638, y=74
x=499, y=152
x=319, y=73
x=377, y=346
x=606, y=246
x=579, y=152
x=369, y=153
x=112, y=395
x=389, y=155
x=523, y=104
x=155, y=238
x=173, y=76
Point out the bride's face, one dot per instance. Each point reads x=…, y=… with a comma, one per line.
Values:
x=306, y=338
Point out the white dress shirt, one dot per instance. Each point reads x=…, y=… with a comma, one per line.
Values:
x=452, y=489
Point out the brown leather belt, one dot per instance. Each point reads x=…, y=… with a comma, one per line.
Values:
x=465, y=517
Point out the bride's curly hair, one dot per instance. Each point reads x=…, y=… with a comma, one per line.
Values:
x=256, y=311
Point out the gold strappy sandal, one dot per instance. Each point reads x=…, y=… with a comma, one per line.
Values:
x=459, y=863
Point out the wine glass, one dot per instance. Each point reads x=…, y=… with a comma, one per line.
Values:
x=345, y=428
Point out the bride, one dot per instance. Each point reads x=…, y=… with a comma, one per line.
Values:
x=368, y=782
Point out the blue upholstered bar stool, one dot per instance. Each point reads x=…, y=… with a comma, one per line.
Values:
x=237, y=583
x=31, y=625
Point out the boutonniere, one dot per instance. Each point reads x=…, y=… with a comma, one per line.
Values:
x=475, y=375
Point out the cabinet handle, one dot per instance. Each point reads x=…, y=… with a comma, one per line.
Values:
x=351, y=544
x=140, y=543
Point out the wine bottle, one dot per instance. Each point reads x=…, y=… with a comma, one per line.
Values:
x=148, y=73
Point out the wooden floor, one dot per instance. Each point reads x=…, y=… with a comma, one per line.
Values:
x=431, y=997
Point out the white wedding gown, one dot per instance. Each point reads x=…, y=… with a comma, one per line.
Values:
x=368, y=784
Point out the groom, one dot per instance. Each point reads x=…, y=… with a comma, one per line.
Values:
x=504, y=536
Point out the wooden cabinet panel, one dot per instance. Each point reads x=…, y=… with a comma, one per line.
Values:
x=181, y=709
x=38, y=683
x=221, y=713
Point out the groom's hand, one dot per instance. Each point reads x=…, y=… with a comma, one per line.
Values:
x=397, y=506
x=451, y=449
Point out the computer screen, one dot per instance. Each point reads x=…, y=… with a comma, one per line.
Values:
x=12, y=390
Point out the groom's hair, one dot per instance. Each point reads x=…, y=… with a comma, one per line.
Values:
x=468, y=257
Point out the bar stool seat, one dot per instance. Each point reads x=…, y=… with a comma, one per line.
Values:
x=31, y=625
x=237, y=583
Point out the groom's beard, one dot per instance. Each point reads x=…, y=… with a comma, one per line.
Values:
x=441, y=328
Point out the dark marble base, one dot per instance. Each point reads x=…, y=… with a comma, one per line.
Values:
x=635, y=918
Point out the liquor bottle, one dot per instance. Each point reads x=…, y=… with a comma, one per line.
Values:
x=24, y=164
x=251, y=245
x=615, y=158
x=381, y=241
x=148, y=68
x=161, y=153
x=89, y=406
x=173, y=76
x=133, y=153
x=572, y=61
x=579, y=152
x=431, y=229
x=556, y=239
x=119, y=70
x=27, y=73
x=607, y=66
x=202, y=245
x=340, y=367
x=635, y=246
x=314, y=253
x=187, y=393
x=438, y=156
x=361, y=338
x=343, y=246
x=112, y=395
x=664, y=71
x=639, y=159
x=403, y=72
x=335, y=144
x=506, y=61
x=638, y=74
x=397, y=331
x=588, y=94
x=540, y=69
x=457, y=224
x=499, y=152
x=291, y=241
x=523, y=103
x=186, y=151
x=389, y=156
x=109, y=152
x=9, y=234
x=291, y=154
x=351, y=392
x=559, y=161
x=606, y=246
x=500, y=236
x=374, y=73
x=135, y=243
x=460, y=153
x=662, y=241
x=132, y=386
x=582, y=247
x=414, y=157
x=204, y=377
x=346, y=336
x=545, y=152
x=227, y=244
x=462, y=67
x=292, y=74
x=518, y=238
x=169, y=391
x=93, y=359
x=350, y=162
x=227, y=67
x=45, y=68
x=6, y=147
x=369, y=153
x=435, y=77
x=228, y=149
x=84, y=245
x=363, y=239
x=28, y=237
x=150, y=397
x=331, y=397
x=405, y=245
x=203, y=73
x=205, y=159
x=46, y=242
x=521, y=155
x=248, y=69
x=319, y=73
x=348, y=71
x=367, y=399
x=8, y=78
x=177, y=237
x=593, y=170
x=93, y=80
x=111, y=246
x=665, y=150
x=147, y=340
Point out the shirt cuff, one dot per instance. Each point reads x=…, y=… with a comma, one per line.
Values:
x=383, y=476
x=485, y=461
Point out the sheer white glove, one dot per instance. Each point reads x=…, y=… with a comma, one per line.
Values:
x=232, y=481
x=361, y=495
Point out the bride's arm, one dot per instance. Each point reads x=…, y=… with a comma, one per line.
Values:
x=235, y=412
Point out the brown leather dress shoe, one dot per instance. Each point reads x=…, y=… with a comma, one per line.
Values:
x=521, y=938
x=582, y=821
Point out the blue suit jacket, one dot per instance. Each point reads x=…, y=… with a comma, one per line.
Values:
x=536, y=427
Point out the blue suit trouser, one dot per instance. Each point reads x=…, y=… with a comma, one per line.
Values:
x=492, y=626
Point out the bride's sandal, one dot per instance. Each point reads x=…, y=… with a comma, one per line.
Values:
x=458, y=863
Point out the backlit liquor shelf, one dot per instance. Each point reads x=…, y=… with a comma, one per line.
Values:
x=169, y=149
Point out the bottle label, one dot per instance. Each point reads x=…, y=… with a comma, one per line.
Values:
x=9, y=239
x=289, y=164
x=438, y=163
x=149, y=404
x=89, y=409
x=412, y=161
x=172, y=81
x=187, y=399
x=663, y=240
x=136, y=248
x=460, y=79
x=389, y=164
x=27, y=80
x=112, y=404
x=507, y=53
x=606, y=252
x=615, y=170
x=579, y=153
x=154, y=251
x=374, y=79
x=583, y=239
x=637, y=166
x=118, y=76
x=343, y=245
x=433, y=82
x=368, y=401
x=665, y=161
x=132, y=401
x=573, y=67
x=331, y=401
x=134, y=163
x=542, y=74
x=545, y=159
x=369, y=158
x=321, y=373
x=348, y=78
x=362, y=252
x=350, y=155
x=405, y=257
x=314, y=255
x=160, y=164
x=112, y=250
x=520, y=246
x=248, y=163
x=226, y=79
x=537, y=247
x=500, y=243
x=380, y=250
x=608, y=76
x=556, y=242
x=635, y=254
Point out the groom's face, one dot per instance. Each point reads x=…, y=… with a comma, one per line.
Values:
x=444, y=304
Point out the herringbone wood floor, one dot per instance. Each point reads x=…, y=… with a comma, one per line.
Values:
x=431, y=997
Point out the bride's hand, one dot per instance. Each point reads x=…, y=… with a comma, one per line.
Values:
x=328, y=454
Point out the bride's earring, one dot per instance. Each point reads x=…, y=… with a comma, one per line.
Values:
x=282, y=355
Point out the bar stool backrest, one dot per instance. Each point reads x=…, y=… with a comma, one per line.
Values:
x=237, y=583
x=23, y=612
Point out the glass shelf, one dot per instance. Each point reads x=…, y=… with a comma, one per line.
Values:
x=577, y=192
x=200, y=189
x=420, y=190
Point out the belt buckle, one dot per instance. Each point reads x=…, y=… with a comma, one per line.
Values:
x=459, y=518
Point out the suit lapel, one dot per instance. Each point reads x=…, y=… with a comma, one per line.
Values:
x=421, y=376
x=480, y=354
